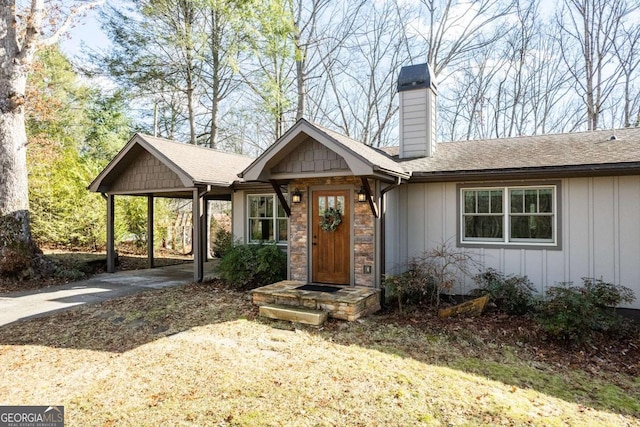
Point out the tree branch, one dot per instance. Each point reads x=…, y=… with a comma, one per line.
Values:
x=66, y=25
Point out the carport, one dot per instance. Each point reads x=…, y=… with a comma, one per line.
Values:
x=154, y=167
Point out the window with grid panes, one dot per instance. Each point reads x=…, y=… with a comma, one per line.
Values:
x=267, y=220
x=509, y=215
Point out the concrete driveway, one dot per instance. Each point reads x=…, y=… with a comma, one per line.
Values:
x=42, y=302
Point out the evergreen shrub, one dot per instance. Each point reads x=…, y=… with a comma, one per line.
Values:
x=575, y=313
x=249, y=266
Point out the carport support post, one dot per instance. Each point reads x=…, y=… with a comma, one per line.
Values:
x=196, y=244
x=111, y=259
x=205, y=231
x=150, y=230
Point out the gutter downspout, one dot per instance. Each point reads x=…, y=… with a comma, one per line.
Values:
x=383, y=216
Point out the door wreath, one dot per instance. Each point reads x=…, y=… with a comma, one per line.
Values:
x=331, y=219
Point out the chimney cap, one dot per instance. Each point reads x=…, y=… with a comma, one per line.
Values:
x=416, y=77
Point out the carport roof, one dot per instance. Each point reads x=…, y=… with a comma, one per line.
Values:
x=194, y=166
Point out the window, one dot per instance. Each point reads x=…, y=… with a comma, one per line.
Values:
x=509, y=215
x=267, y=219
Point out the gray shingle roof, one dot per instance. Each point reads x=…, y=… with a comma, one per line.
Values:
x=203, y=165
x=571, y=149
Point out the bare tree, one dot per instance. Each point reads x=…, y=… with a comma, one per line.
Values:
x=457, y=29
x=590, y=27
x=320, y=32
x=358, y=96
x=627, y=51
x=307, y=14
x=552, y=106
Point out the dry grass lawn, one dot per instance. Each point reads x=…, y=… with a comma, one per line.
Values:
x=198, y=356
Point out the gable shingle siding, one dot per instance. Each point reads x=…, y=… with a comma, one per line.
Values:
x=311, y=156
x=146, y=173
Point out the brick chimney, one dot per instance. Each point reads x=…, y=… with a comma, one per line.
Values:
x=417, y=92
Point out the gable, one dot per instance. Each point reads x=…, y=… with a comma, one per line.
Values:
x=145, y=172
x=311, y=156
x=148, y=163
x=310, y=150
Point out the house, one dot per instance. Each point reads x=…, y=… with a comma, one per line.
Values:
x=553, y=207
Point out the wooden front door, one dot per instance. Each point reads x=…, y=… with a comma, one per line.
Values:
x=331, y=255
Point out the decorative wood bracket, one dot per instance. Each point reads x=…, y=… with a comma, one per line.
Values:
x=283, y=201
x=372, y=204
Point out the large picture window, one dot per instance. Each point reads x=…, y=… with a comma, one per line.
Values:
x=267, y=219
x=509, y=215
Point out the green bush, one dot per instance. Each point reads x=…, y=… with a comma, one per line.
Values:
x=251, y=266
x=222, y=242
x=574, y=313
x=511, y=294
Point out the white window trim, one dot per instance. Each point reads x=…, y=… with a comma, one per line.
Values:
x=506, y=241
x=274, y=219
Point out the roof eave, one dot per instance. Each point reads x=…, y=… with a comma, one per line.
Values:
x=395, y=174
x=605, y=169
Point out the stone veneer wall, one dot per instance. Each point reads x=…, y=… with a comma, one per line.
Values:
x=363, y=229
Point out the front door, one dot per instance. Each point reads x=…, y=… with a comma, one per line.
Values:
x=331, y=255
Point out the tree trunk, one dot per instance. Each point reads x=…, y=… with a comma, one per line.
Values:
x=16, y=246
x=18, y=253
x=215, y=41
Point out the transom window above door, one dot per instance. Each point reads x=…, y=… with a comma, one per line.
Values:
x=267, y=219
x=509, y=215
x=335, y=202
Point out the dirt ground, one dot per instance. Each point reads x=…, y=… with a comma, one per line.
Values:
x=603, y=353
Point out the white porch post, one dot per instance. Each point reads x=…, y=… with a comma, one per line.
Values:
x=111, y=253
x=150, y=230
x=196, y=244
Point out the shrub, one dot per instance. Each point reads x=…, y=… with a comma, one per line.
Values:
x=436, y=271
x=222, y=242
x=511, y=294
x=574, y=313
x=251, y=266
x=411, y=287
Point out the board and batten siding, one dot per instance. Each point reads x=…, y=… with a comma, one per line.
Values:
x=600, y=232
x=418, y=134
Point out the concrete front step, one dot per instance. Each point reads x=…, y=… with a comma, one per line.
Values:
x=294, y=314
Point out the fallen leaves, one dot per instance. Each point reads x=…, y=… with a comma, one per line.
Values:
x=198, y=355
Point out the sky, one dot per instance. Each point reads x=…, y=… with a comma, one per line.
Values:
x=86, y=32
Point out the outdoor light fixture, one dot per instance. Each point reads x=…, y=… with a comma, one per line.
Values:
x=362, y=195
x=296, y=197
